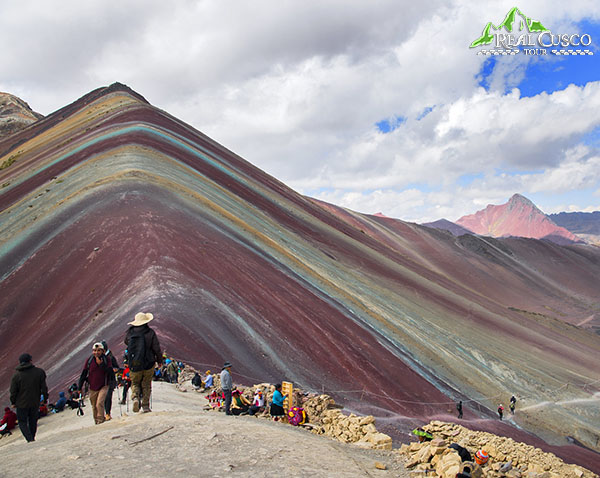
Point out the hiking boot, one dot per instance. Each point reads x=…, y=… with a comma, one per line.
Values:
x=146, y=410
x=107, y=417
x=122, y=402
x=136, y=405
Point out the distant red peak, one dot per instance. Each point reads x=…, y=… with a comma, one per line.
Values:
x=518, y=217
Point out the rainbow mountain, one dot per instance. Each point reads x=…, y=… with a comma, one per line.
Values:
x=111, y=206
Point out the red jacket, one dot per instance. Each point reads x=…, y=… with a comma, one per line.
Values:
x=10, y=418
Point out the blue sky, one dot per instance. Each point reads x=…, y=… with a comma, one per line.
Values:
x=377, y=107
x=552, y=72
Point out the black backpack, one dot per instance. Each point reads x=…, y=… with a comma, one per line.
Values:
x=137, y=355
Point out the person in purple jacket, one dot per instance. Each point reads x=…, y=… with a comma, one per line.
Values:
x=99, y=374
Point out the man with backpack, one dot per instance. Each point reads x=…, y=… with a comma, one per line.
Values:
x=98, y=373
x=143, y=350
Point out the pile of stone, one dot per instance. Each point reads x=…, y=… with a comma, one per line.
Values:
x=185, y=375
x=507, y=458
x=327, y=419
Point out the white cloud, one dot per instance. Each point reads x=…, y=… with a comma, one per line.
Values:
x=297, y=88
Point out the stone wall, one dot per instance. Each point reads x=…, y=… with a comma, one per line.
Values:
x=507, y=458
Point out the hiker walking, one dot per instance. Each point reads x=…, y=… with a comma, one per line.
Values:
x=26, y=387
x=126, y=382
x=500, y=411
x=459, y=408
x=513, y=402
x=112, y=361
x=98, y=373
x=227, y=386
x=143, y=351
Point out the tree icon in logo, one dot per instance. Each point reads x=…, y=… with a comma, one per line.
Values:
x=508, y=24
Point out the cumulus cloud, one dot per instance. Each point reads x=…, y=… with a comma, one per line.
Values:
x=297, y=89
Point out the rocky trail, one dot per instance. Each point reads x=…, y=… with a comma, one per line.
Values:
x=181, y=439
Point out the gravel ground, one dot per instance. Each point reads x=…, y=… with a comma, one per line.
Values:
x=189, y=441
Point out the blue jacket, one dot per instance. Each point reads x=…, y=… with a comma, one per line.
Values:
x=278, y=398
x=61, y=402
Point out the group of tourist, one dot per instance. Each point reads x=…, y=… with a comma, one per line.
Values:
x=513, y=403
x=234, y=402
x=29, y=391
x=143, y=362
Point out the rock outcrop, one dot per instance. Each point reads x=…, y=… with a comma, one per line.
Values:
x=15, y=114
x=507, y=458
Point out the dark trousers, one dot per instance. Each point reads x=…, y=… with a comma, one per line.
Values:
x=108, y=399
x=125, y=388
x=254, y=409
x=28, y=418
x=227, y=394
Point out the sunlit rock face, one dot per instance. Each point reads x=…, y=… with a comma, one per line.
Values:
x=518, y=217
x=113, y=207
x=15, y=115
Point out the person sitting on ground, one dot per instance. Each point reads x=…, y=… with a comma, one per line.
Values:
x=208, y=380
x=59, y=406
x=422, y=434
x=481, y=457
x=43, y=410
x=197, y=381
x=277, y=410
x=73, y=400
x=8, y=422
x=462, y=451
x=258, y=404
x=239, y=403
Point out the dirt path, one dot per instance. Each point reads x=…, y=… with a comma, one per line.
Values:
x=194, y=443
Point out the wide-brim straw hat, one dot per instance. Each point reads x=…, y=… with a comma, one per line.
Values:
x=142, y=318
